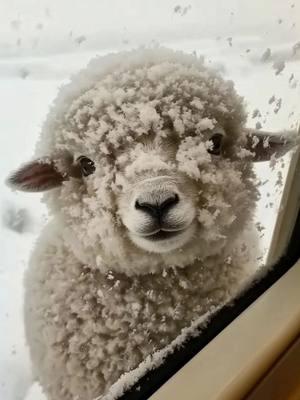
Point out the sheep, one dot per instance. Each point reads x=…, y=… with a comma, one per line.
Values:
x=148, y=172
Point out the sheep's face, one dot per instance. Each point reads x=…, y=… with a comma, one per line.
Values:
x=149, y=163
x=166, y=205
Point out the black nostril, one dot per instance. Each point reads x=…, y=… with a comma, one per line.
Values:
x=144, y=206
x=156, y=209
x=170, y=202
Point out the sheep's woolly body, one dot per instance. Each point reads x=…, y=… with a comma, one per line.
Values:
x=96, y=304
x=89, y=327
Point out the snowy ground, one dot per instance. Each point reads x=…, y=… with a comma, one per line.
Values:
x=29, y=83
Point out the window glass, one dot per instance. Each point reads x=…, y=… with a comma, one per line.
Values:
x=42, y=44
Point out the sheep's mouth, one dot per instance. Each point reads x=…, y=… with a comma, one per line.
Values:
x=163, y=235
x=163, y=240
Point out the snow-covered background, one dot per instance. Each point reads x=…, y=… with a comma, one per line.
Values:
x=43, y=42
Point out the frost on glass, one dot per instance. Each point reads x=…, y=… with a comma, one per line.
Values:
x=255, y=45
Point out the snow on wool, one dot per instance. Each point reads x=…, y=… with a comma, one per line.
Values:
x=106, y=288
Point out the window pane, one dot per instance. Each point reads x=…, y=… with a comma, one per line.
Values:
x=254, y=44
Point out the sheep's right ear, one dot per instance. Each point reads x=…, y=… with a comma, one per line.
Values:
x=42, y=174
x=264, y=145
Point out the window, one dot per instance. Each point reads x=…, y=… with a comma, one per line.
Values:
x=254, y=44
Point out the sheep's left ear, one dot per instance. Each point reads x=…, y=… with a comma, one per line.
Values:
x=264, y=145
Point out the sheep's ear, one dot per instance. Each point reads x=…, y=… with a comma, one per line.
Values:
x=43, y=174
x=264, y=145
x=36, y=176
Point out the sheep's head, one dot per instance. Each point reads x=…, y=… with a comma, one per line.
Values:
x=151, y=157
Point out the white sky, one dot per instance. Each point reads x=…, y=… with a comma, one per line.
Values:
x=107, y=22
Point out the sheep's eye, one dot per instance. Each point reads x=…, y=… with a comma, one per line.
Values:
x=216, y=146
x=87, y=166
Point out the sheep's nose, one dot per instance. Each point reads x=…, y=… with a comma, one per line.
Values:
x=157, y=209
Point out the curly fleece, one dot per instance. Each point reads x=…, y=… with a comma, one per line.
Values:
x=96, y=304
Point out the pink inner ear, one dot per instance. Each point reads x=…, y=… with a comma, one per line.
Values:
x=36, y=176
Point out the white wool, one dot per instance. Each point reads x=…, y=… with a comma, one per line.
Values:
x=197, y=103
x=128, y=379
x=149, y=116
x=145, y=160
x=205, y=124
x=206, y=218
x=97, y=303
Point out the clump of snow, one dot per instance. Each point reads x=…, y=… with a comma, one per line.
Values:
x=258, y=125
x=149, y=116
x=279, y=181
x=293, y=83
x=259, y=227
x=182, y=10
x=245, y=153
x=206, y=124
x=24, y=72
x=273, y=161
x=80, y=39
x=229, y=40
x=266, y=142
x=256, y=113
x=296, y=48
x=16, y=219
x=255, y=141
x=266, y=55
x=278, y=105
x=197, y=103
x=278, y=66
x=272, y=99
